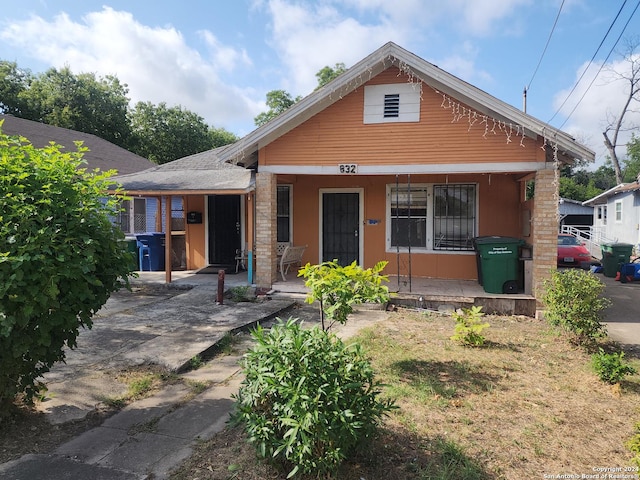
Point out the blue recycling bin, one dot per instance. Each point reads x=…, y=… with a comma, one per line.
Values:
x=151, y=251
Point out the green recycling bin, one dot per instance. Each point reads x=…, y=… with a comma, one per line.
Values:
x=613, y=254
x=498, y=260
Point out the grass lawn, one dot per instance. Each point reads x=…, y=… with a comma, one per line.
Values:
x=525, y=405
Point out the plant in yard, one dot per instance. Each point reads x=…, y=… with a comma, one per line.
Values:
x=573, y=300
x=611, y=367
x=60, y=258
x=469, y=326
x=634, y=445
x=307, y=401
x=339, y=288
x=240, y=293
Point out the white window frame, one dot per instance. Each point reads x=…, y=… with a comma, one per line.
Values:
x=618, y=211
x=374, y=103
x=429, y=222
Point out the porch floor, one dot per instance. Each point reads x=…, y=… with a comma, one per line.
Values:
x=428, y=293
x=435, y=294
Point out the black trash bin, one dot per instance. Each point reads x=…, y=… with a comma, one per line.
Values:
x=151, y=251
x=498, y=260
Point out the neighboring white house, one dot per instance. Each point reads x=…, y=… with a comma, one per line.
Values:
x=616, y=213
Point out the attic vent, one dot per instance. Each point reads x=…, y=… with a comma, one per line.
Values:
x=392, y=105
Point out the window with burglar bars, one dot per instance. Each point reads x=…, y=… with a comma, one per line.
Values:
x=409, y=217
x=454, y=217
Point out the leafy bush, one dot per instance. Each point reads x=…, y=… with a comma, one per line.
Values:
x=60, y=258
x=634, y=445
x=574, y=301
x=611, y=367
x=339, y=288
x=468, y=330
x=307, y=399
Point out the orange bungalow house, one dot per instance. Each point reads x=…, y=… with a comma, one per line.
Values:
x=401, y=161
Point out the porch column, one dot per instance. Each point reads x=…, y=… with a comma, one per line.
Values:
x=545, y=229
x=266, y=229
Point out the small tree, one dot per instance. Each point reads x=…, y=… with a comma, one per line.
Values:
x=60, y=258
x=574, y=301
x=338, y=288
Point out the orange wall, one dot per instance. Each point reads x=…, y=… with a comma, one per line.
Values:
x=498, y=212
x=195, y=233
x=338, y=135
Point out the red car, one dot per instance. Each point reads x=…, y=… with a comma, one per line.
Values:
x=572, y=252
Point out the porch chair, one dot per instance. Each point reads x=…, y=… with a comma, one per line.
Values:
x=291, y=256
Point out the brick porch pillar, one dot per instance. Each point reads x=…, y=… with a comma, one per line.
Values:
x=266, y=229
x=545, y=229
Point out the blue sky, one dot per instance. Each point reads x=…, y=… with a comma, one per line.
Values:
x=218, y=58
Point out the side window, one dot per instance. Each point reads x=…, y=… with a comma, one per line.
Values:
x=618, y=211
x=284, y=213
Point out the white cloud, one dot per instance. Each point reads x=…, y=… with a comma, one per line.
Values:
x=327, y=30
x=605, y=98
x=156, y=63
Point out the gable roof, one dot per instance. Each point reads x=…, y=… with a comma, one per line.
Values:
x=418, y=70
x=612, y=192
x=201, y=173
x=102, y=154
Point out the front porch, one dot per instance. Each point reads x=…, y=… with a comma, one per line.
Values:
x=428, y=293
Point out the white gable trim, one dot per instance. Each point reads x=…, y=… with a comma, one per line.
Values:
x=450, y=168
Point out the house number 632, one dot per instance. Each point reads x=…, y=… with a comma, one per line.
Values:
x=347, y=168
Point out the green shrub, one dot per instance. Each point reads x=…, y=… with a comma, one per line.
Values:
x=307, y=400
x=339, y=288
x=634, y=445
x=469, y=326
x=573, y=300
x=611, y=367
x=60, y=258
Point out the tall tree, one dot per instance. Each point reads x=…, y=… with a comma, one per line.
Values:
x=277, y=101
x=280, y=100
x=80, y=102
x=616, y=122
x=163, y=134
x=632, y=162
x=13, y=81
x=220, y=137
x=326, y=74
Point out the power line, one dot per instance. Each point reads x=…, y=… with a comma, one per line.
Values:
x=601, y=66
x=575, y=85
x=545, y=47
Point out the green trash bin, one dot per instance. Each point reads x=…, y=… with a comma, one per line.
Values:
x=613, y=254
x=498, y=260
x=132, y=247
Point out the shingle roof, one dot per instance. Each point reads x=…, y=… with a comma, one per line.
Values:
x=202, y=173
x=102, y=154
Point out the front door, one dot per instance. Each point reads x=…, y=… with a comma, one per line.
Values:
x=224, y=229
x=341, y=227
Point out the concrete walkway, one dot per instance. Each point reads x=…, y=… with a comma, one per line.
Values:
x=158, y=326
x=151, y=436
